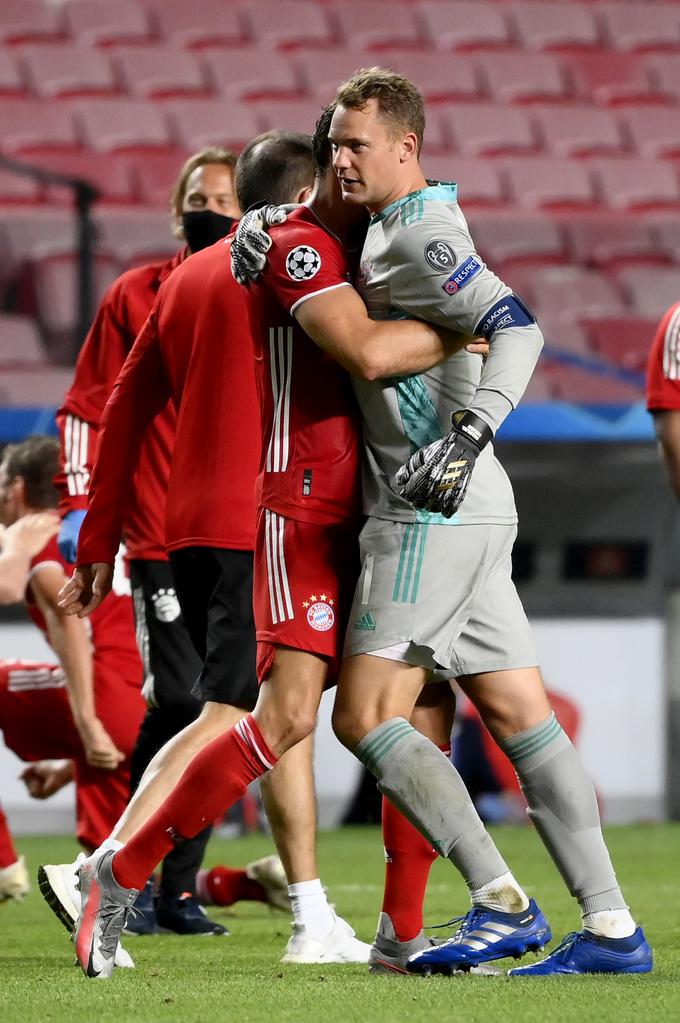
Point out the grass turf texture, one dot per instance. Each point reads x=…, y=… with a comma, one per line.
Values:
x=240, y=978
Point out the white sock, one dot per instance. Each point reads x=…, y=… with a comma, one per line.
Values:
x=107, y=845
x=503, y=894
x=610, y=923
x=310, y=908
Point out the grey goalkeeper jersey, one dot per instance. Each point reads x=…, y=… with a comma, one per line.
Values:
x=419, y=262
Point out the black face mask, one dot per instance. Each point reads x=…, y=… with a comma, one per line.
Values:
x=203, y=228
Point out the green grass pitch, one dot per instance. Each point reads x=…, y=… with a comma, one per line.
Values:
x=241, y=979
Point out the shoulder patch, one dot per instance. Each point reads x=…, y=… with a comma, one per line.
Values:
x=302, y=263
x=440, y=256
x=463, y=275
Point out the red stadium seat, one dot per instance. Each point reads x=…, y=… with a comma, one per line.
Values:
x=465, y=25
x=109, y=172
x=129, y=236
x=56, y=290
x=199, y=23
x=108, y=125
x=665, y=72
x=544, y=182
x=19, y=341
x=609, y=78
x=17, y=187
x=667, y=235
x=578, y=131
x=625, y=341
x=582, y=387
x=198, y=123
x=513, y=237
x=34, y=232
x=66, y=70
x=522, y=77
x=553, y=26
x=11, y=79
x=246, y=73
x=649, y=290
x=607, y=240
x=655, y=131
x=287, y=115
x=323, y=70
x=561, y=333
x=571, y=292
x=30, y=125
x=478, y=180
x=630, y=183
x=154, y=175
x=28, y=20
x=157, y=71
x=100, y=23
x=640, y=26
x=487, y=129
x=35, y=387
x=439, y=75
x=370, y=26
x=538, y=389
x=288, y=24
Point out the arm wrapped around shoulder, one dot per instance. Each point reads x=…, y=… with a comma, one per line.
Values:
x=436, y=477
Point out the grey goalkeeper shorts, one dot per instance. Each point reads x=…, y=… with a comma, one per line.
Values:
x=443, y=596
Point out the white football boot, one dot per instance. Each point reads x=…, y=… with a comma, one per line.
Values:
x=338, y=946
x=270, y=874
x=14, y=882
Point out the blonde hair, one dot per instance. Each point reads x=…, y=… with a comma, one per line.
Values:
x=211, y=154
x=399, y=101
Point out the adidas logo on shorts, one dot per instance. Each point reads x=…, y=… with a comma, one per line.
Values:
x=366, y=622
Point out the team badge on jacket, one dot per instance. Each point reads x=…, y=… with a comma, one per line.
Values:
x=320, y=614
x=166, y=605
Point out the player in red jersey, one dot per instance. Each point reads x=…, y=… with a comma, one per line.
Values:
x=663, y=391
x=295, y=678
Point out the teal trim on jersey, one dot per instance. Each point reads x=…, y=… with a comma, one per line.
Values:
x=418, y=414
x=442, y=192
x=409, y=569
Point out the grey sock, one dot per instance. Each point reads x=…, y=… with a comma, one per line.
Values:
x=424, y=785
x=563, y=807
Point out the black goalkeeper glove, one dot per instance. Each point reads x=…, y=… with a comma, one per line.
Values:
x=436, y=477
x=251, y=242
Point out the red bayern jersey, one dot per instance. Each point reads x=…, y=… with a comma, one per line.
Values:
x=112, y=624
x=195, y=347
x=120, y=317
x=311, y=456
x=663, y=365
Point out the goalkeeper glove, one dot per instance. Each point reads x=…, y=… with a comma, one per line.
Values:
x=436, y=477
x=67, y=541
x=251, y=241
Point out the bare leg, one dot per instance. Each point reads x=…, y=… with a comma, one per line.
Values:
x=290, y=801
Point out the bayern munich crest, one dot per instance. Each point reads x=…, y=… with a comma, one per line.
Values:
x=303, y=263
x=320, y=614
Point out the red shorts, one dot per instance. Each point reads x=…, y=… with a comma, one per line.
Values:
x=303, y=584
x=36, y=722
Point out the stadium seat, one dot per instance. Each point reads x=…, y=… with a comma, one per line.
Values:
x=35, y=387
x=30, y=125
x=630, y=183
x=582, y=387
x=17, y=187
x=28, y=21
x=369, y=26
x=544, y=182
x=321, y=71
x=552, y=26
x=129, y=236
x=625, y=341
x=19, y=341
x=109, y=172
x=478, y=181
x=100, y=23
x=572, y=292
x=152, y=72
x=33, y=232
x=513, y=237
x=11, y=79
x=561, y=333
x=107, y=125
x=667, y=235
x=154, y=175
x=465, y=25
x=578, y=131
x=640, y=26
x=606, y=240
x=289, y=24
x=538, y=389
x=485, y=129
x=199, y=23
x=649, y=290
x=198, y=123
x=522, y=77
x=66, y=70
x=288, y=115
x=665, y=72
x=245, y=73
x=56, y=280
x=609, y=78
x=439, y=75
x=655, y=131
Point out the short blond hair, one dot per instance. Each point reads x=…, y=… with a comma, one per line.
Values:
x=399, y=101
x=211, y=154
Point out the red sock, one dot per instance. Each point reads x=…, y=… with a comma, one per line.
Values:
x=213, y=781
x=8, y=854
x=225, y=886
x=409, y=857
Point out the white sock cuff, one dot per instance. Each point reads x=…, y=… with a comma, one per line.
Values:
x=306, y=888
x=107, y=845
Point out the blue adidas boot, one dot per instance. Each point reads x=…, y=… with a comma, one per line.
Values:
x=584, y=952
x=141, y=919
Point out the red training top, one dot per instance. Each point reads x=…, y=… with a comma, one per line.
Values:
x=310, y=423
x=663, y=366
x=121, y=316
x=195, y=347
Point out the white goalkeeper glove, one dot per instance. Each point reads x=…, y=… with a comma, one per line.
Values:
x=251, y=242
x=436, y=477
